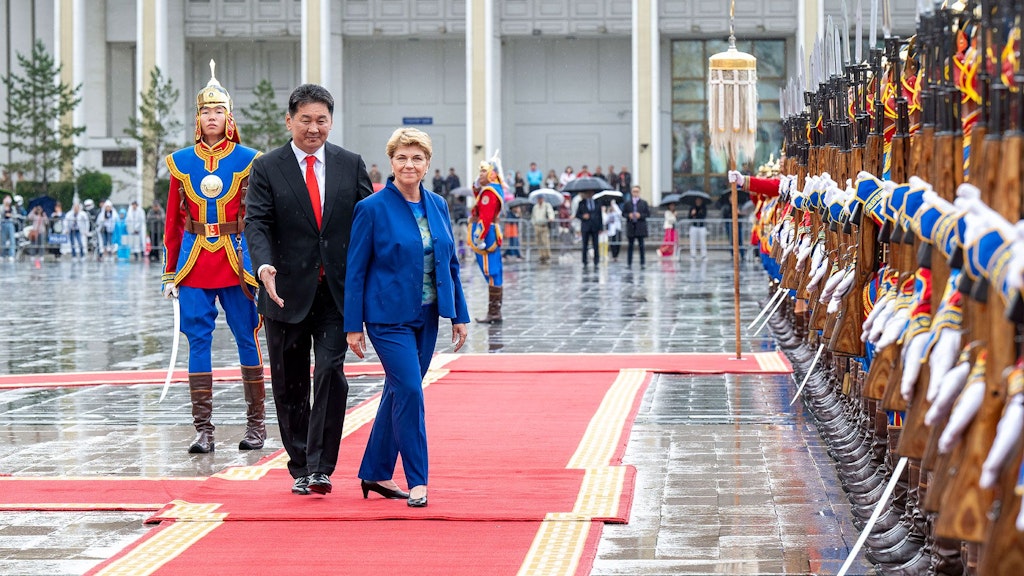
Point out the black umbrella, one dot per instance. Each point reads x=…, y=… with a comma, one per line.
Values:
x=518, y=202
x=587, y=184
x=669, y=199
x=690, y=196
x=741, y=198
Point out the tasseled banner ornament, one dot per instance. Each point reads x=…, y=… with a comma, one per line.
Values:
x=732, y=125
x=732, y=102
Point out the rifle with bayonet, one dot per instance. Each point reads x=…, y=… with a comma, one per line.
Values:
x=964, y=510
x=1004, y=550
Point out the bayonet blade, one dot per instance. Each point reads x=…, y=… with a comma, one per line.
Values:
x=873, y=35
x=837, y=58
x=829, y=54
x=886, y=20
x=846, y=35
x=859, y=33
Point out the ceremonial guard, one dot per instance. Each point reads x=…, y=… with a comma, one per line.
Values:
x=485, y=232
x=207, y=260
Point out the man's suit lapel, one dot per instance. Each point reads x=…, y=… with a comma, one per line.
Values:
x=332, y=180
x=296, y=182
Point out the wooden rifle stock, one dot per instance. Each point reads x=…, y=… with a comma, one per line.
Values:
x=963, y=514
x=1003, y=553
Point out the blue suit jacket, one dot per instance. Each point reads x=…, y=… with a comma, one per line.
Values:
x=384, y=274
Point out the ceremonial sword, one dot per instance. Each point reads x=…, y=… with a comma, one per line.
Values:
x=174, y=348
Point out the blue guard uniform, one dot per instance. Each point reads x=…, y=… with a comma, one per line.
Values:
x=207, y=260
x=485, y=233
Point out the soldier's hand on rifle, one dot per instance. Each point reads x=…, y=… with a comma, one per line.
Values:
x=268, y=276
x=736, y=177
x=170, y=290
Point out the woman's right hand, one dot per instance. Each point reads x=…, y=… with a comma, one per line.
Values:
x=357, y=343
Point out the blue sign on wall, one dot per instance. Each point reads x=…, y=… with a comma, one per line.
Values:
x=417, y=120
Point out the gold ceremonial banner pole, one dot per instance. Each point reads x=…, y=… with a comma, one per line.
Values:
x=732, y=127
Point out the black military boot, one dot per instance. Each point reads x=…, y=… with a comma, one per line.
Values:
x=200, y=387
x=255, y=392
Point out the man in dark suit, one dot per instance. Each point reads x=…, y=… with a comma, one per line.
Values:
x=637, y=212
x=298, y=219
x=589, y=214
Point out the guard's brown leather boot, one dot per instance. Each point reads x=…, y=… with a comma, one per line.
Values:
x=255, y=393
x=493, y=306
x=200, y=387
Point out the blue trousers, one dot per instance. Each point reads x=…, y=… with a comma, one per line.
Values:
x=198, y=319
x=400, y=427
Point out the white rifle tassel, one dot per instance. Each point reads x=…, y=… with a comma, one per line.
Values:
x=807, y=376
x=874, y=516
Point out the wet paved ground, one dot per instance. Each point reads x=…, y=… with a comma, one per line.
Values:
x=731, y=480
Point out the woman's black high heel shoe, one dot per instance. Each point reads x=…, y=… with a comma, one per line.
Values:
x=420, y=502
x=385, y=492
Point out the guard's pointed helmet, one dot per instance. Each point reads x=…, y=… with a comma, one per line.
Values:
x=213, y=94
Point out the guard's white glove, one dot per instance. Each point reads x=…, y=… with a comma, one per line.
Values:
x=913, y=351
x=942, y=358
x=802, y=252
x=735, y=177
x=949, y=388
x=841, y=290
x=966, y=409
x=170, y=290
x=865, y=328
x=481, y=245
x=1010, y=426
x=817, y=273
x=894, y=328
x=881, y=320
x=830, y=285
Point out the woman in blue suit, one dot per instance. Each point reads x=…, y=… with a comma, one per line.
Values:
x=402, y=275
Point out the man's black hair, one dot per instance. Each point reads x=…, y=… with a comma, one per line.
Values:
x=307, y=94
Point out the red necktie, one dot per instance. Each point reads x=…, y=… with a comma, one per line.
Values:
x=314, y=189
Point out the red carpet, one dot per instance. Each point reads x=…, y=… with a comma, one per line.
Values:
x=123, y=493
x=757, y=363
x=129, y=377
x=525, y=466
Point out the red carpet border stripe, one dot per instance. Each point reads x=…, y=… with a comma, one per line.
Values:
x=563, y=540
x=603, y=437
x=170, y=540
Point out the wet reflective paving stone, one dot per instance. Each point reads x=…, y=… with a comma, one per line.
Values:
x=730, y=478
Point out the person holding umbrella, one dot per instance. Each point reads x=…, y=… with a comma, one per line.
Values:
x=668, y=243
x=591, y=224
x=698, y=232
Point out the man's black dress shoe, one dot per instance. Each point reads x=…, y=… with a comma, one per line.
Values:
x=383, y=491
x=319, y=483
x=301, y=486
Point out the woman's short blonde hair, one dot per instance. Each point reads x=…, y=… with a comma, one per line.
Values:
x=405, y=136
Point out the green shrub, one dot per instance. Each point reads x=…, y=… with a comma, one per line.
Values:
x=95, y=186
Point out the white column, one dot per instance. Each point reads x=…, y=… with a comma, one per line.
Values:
x=482, y=68
x=150, y=47
x=645, y=96
x=316, y=27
